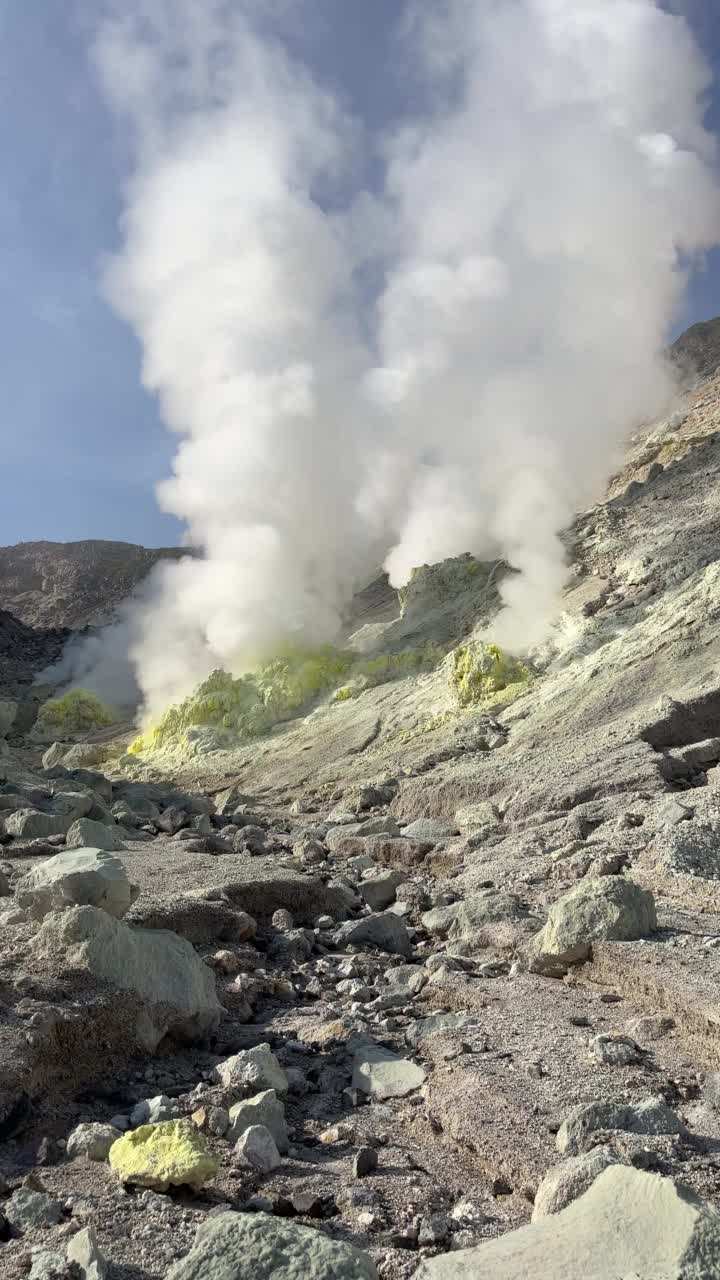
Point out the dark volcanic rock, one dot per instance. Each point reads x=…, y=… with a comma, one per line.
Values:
x=74, y=584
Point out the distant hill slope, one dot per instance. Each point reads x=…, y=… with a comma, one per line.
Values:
x=74, y=584
x=697, y=350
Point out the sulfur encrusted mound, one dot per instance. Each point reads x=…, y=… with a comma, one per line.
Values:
x=482, y=673
x=75, y=712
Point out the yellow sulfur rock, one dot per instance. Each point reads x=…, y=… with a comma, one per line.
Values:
x=162, y=1155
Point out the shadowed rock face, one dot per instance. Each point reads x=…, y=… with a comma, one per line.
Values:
x=74, y=584
x=23, y=651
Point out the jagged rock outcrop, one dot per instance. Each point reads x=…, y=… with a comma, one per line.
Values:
x=74, y=584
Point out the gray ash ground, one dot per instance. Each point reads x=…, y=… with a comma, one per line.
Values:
x=459, y=1157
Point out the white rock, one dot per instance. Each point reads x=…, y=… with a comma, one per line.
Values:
x=154, y=1110
x=88, y=834
x=83, y=1250
x=77, y=877
x=264, y=1109
x=255, y=1068
x=256, y=1147
x=54, y=755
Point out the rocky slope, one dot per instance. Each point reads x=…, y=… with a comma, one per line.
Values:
x=400, y=988
x=23, y=652
x=74, y=584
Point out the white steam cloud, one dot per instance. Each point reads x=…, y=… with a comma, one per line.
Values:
x=530, y=234
x=542, y=210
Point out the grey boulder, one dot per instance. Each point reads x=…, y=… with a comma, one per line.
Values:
x=154, y=1110
x=628, y=1224
x=565, y=1182
x=258, y=1247
x=173, y=990
x=47, y=1265
x=651, y=1116
x=32, y=824
x=86, y=833
x=230, y=800
x=27, y=1209
x=610, y=908
x=385, y=931
x=263, y=1109
x=256, y=1147
x=382, y=1074
x=430, y=829
x=64, y=808
x=77, y=877
x=478, y=910
x=255, y=1069
x=379, y=891
x=92, y=1140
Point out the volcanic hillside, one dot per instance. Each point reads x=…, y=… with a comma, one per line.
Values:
x=414, y=974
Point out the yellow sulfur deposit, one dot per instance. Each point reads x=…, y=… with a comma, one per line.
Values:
x=484, y=673
x=243, y=707
x=75, y=712
x=159, y=1156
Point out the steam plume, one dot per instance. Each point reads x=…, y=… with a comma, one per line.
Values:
x=237, y=284
x=542, y=208
x=531, y=232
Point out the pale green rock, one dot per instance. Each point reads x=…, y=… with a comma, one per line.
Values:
x=565, y=1182
x=84, y=1251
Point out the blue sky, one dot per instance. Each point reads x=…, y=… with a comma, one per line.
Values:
x=82, y=445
